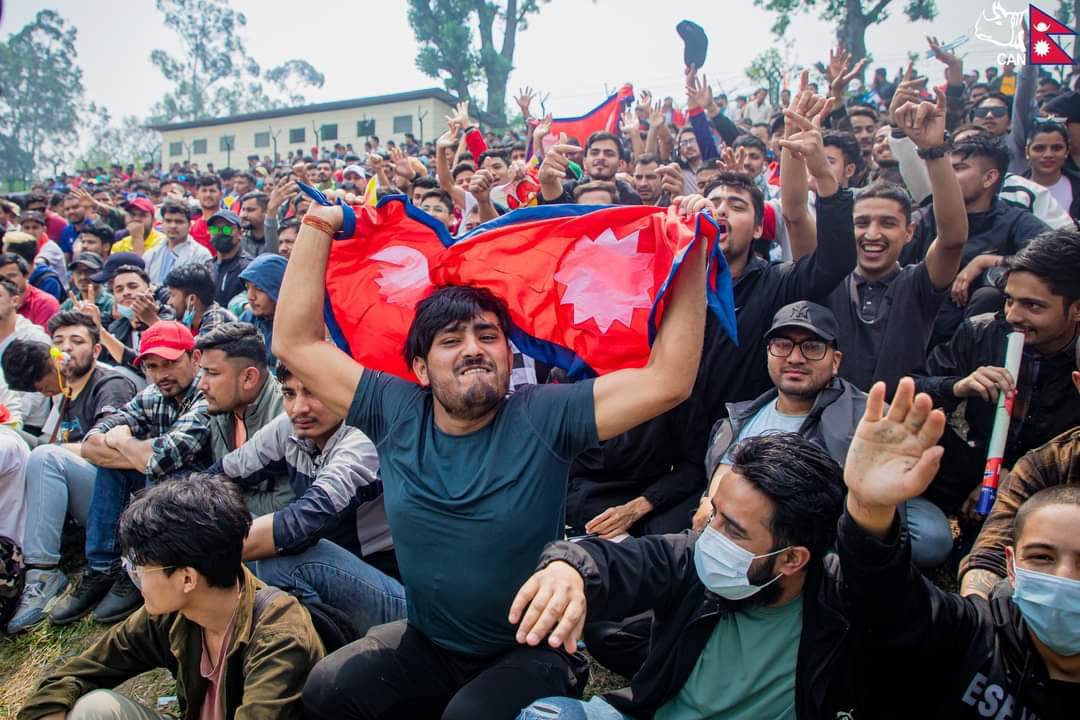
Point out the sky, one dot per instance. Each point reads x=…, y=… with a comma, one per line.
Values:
x=367, y=48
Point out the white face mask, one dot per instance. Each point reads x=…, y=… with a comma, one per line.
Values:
x=722, y=565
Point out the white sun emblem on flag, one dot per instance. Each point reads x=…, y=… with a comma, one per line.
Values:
x=606, y=279
x=1042, y=48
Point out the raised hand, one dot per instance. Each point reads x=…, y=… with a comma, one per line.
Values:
x=461, y=114
x=281, y=194
x=541, y=132
x=656, y=115
x=806, y=142
x=690, y=205
x=645, y=101
x=923, y=122
x=671, y=179
x=448, y=139
x=524, y=100
x=698, y=92
x=838, y=83
x=550, y=604
x=954, y=66
x=892, y=457
x=402, y=166
x=630, y=124
x=910, y=89
x=480, y=185
x=556, y=160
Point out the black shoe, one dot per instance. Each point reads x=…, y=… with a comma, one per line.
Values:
x=123, y=599
x=87, y=593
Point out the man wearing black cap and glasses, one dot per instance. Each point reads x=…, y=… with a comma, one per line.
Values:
x=810, y=398
x=224, y=227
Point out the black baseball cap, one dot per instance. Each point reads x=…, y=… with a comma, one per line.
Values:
x=90, y=261
x=115, y=261
x=227, y=215
x=808, y=316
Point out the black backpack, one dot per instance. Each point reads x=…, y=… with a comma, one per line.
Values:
x=12, y=575
x=333, y=627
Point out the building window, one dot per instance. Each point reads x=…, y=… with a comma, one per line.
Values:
x=365, y=128
x=328, y=132
x=262, y=139
x=296, y=135
x=198, y=147
x=176, y=149
x=227, y=143
x=402, y=124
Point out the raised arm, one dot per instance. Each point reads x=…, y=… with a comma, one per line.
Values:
x=626, y=398
x=443, y=147
x=330, y=374
x=794, y=181
x=924, y=123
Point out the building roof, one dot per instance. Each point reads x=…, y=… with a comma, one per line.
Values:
x=426, y=93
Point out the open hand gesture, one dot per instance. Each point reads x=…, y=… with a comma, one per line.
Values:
x=630, y=123
x=524, y=100
x=839, y=75
x=698, y=92
x=551, y=604
x=892, y=457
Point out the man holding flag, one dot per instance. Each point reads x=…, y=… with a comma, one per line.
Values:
x=475, y=482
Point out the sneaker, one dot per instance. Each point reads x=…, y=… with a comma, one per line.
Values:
x=123, y=599
x=88, y=592
x=41, y=587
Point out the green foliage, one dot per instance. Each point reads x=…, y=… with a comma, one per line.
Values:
x=852, y=17
x=445, y=28
x=124, y=143
x=767, y=68
x=42, y=90
x=214, y=76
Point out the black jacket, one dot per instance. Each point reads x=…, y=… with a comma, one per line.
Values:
x=948, y=656
x=657, y=572
x=831, y=422
x=731, y=372
x=1046, y=404
x=227, y=281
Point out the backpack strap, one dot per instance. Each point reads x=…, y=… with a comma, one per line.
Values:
x=263, y=597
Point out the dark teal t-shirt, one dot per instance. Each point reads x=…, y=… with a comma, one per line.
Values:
x=471, y=513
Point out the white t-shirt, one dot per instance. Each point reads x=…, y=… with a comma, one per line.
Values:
x=1062, y=192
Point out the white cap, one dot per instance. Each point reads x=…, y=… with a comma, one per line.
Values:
x=354, y=169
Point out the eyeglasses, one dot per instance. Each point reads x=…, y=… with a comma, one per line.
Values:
x=226, y=230
x=135, y=572
x=781, y=347
x=991, y=111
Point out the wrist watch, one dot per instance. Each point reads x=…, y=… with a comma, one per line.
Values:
x=933, y=152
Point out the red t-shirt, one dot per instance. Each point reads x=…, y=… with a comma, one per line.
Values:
x=38, y=306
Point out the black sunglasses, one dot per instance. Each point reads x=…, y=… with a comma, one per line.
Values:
x=992, y=111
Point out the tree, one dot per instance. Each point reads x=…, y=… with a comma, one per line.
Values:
x=444, y=29
x=214, y=75
x=767, y=68
x=41, y=95
x=853, y=17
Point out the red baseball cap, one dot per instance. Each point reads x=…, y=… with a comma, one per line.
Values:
x=140, y=203
x=167, y=339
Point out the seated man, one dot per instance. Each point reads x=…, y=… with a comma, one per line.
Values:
x=262, y=279
x=35, y=305
x=751, y=592
x=191, y=298
x=242, y=397
x=137, y=306
x=1042, y=290
x=58, y=480
x=1015, y=655
x=85, y=265
x=163, y=429
x=332, y=543
x=234, y=648
x=475, y=482
x=1054, y=463
x=811, y=399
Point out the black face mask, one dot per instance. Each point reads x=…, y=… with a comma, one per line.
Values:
x=223, y=243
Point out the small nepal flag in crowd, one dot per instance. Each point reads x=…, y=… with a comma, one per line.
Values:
x=585, y=285
x=605, y=116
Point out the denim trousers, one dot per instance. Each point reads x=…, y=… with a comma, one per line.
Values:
x=330, y=574
x=58, y=483
x=564, y=708
x=112, y=492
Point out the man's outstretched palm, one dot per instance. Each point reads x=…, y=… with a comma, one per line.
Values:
x=894, y=457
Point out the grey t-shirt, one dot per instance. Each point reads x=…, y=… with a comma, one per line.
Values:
x=469, y=514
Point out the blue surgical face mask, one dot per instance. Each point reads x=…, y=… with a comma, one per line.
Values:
x=125, y=312
x=1050, y=606
x=189, y=317
x=723, y=566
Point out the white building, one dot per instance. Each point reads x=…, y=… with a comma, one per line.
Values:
x=228, y=141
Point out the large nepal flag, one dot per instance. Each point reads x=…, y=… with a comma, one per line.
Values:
x=585, y=285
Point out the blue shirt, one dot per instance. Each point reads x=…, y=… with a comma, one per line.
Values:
x=470, y=513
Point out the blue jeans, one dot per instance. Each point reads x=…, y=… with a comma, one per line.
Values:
x=112, y=491
x=330, y=574
x=58, y=482
x=930, y=532
x=564, y=708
